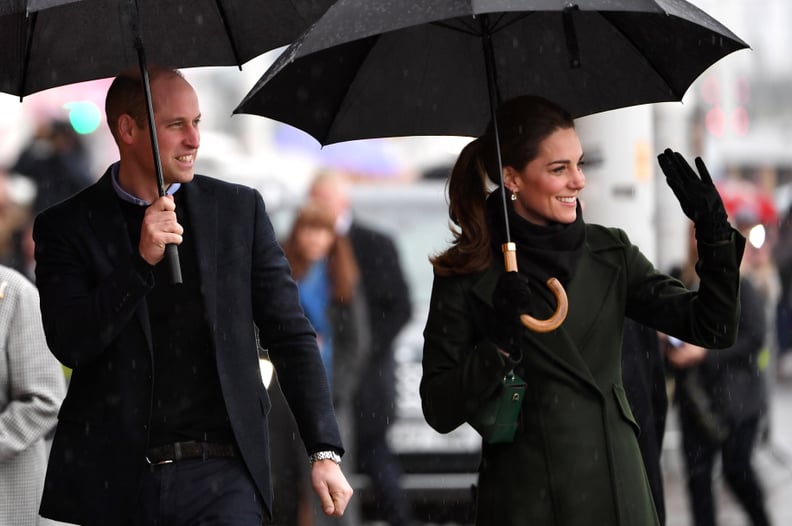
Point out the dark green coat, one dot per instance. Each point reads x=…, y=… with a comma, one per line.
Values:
x=575, y=459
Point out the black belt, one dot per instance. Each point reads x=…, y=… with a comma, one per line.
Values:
x=186, y=450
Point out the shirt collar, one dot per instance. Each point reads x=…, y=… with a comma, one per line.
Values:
x=126, y=196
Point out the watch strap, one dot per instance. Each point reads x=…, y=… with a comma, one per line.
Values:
x=325, y=455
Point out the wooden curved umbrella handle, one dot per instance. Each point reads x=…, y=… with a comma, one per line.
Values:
x=558, y=317
x=562, y=303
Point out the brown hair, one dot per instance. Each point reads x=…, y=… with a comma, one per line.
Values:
x=523, y=123
x=341, y=263
x=126, y=96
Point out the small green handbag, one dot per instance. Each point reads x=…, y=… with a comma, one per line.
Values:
x=496, y=421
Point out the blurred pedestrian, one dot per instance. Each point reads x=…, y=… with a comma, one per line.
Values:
x=782, y=256
x=32, y=387
x=721, y=398
x=388, y=301
x=15, y=216
x=57, y=161
x=327, y=275
x=571, y=453
x=760, y=269
x=166, y=413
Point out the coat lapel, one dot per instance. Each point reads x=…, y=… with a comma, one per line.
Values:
x=588, y=292
x=593, y=280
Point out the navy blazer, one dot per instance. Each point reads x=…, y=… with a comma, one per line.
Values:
x=96, y=322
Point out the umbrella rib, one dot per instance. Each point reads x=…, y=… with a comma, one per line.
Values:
x=496, y=27
x=347, y=90
x=458, y=29
x=468, y=28
x=641, y=53
x=228, y=33
x=31, y=26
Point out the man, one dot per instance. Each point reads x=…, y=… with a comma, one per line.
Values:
x=165, y=421
x=388, y=302
x=32, y=386
x=56, y=160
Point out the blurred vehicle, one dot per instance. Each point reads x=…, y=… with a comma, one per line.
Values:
x=439, y=468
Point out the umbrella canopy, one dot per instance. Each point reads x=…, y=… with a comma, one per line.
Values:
x=26, y=6
x=380, y=68
x=49, y=43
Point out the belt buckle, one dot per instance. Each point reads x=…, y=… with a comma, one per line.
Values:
x=177, y=454
x=160, y=463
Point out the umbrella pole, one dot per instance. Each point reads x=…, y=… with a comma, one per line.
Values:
x=509, y=248
x=171, y=250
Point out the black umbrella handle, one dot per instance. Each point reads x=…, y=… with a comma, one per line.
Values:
x=171, y=251
x=172, y=261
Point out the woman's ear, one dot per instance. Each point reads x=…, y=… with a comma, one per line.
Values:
x=509, y=178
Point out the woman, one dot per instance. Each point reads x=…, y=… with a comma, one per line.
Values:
x=324, y=266
x=574, y=459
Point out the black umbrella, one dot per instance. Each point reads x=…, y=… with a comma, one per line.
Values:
x=384, y=68
x=10, y=7
x=49, y=43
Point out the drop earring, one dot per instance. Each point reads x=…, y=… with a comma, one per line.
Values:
x=513, y=196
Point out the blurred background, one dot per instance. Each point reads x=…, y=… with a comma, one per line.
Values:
x=737, y=116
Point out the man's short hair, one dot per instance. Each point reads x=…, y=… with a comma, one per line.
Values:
x=126, y=96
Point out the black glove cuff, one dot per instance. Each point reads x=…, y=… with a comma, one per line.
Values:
x=511, y=348
x=508, y=337
x=713, y=232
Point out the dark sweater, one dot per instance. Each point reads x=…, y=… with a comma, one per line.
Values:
x=187, y=401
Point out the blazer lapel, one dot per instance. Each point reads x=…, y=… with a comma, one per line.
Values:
x=202, y=209
x=104, y=216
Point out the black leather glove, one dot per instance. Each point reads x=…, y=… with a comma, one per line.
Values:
x=512, y=297
x=698, y=196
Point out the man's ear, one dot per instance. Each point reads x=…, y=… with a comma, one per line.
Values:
x=127, y=128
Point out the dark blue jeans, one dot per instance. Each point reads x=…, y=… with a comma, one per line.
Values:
x=197, y=492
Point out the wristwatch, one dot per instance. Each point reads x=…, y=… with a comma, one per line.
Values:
x=325, y=455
